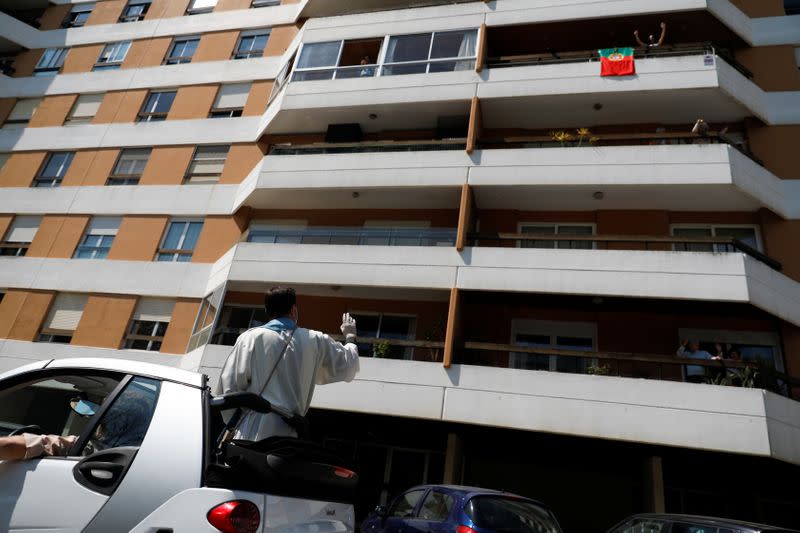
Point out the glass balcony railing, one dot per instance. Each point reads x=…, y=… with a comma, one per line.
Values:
x=356, y=236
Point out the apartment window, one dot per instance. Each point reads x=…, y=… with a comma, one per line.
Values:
x=182, y=50
x=235, y=320
x=746, y=234
x=251, y=44
x=207, y=164
x=130, y=166
x=157, y=106
x=230, y=100
x=179, y=241
x=78, y=15
x=63, y=318
x=206, y=318
x=51, y=62
x=338, y=60
x=98, y=238
x=385, y=326
x=85, y=108
x=197, y=7
x=265, y=3
x=53, y=170
x=135, y=10
x=21, y=113
x=149, y=324
x=575, y=336
x=792, y=7
x=561, y=230
x=20, y=235
x=431, y=52
x=112, y=56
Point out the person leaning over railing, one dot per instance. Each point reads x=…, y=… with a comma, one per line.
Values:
x=691, y=350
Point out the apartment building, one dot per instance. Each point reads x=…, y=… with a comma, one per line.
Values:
x=523, y=242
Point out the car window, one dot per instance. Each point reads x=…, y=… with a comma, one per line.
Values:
x=679, y=527
x=436, y=506
x=510, y=514
x=126, y=421
x=642, y=525
x=403, y=507
x=47, y=402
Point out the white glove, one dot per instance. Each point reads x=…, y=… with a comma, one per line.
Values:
x=348, y=327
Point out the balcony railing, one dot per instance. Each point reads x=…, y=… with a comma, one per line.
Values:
x=649, y=242
x=361, y=148
x=357, y=236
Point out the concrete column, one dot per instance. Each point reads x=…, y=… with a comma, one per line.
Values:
x=653, y=482
x=454, y=460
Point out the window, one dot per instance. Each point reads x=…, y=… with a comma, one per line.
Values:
x=385, y=326
x=230, y=100
x=157, y=106
x=207, y=164
x=747, y=235
x=63, y=318
x=149, y=324
x=436, y=507
x=510, y=514
x=575, y=336
x=20, y=235
x=643, y=525
x=425, y=52
x=135, y=10
x=85, y=108
x=129, y=167
x=78, y=16
x=251, y=44
x=206, y=318
x=53, y=170
x=792, y=7
x=182, y=50
x=179, y=241
x=197, y=7
x=338, y=60
x=51, y=62
x=578, y=230
x=22, y=113
x=98, y=238
x=265, y=3
x=112, y=56
x=403, y=506
x=235, y=320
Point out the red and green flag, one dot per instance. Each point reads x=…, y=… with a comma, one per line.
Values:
x=617, y=62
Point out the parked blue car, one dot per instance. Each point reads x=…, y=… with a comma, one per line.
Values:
x=452, y=509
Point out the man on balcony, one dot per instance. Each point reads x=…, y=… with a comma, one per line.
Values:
x=691, y=350
x=283, y=363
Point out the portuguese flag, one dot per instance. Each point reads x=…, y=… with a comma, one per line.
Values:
x=617, y=62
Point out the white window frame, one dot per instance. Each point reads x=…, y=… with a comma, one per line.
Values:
x=135, y=18
x=552, y=329
x=408, y=354
x=83, y=119
x=251, y=33
x=191, y=10
x=428, y=61
x=725, y=336
x=714, y=227
x=54, y=181
x=184, y=233
x=54, y=64
x=148, y=116
x=206, y=178
x=171, y=59
x=87, y=7
x=16, y=123
x=231, y=111
x=557, y=225
x=114, y=51
x=105, y=231
x=21, y=245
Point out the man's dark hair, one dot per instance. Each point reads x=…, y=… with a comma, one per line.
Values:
x=279, y=301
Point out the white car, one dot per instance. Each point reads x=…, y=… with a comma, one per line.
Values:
x=147, y=458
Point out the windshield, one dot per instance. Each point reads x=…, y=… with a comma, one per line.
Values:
x=510, y=515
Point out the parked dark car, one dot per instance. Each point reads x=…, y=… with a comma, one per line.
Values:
x=677, y=523
x=452, y=509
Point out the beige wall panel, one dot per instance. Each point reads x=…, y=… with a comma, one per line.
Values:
x=161, y=9
x=228, y=5
x=6, y=105
x=21, y=168
x=26, y=61
x=58, y=236
x=5, y=222
x=138, y=238
x=218, y=236
x=147, y=53
x=82, y=58
x=120, y=106
x=776, y=146
x=760, y=8
x=193, y=102
x=53, y=110
x=774, y=67
x=216, y=46
x=53, y=17
x=280, y=39
x=22, y=314
x=180, y=326
x=242, y=158
x=167, y=165
x=257, y=99
x=105, y=320
x=106, y=12
x=91, y=167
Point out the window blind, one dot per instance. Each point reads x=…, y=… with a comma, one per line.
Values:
x=66, y=312
x=154, y=310
x=24, y=109
x=232, y=96
x=23, y=229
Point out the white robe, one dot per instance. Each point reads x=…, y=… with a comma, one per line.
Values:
x=311, y=359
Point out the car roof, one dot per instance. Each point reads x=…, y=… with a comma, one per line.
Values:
x=712, y=520
x=477, y=491
x=138, y=368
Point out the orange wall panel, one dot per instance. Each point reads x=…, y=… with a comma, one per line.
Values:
x=6, y=105
x=257, y=99
x=279, y=40
x=53, y=110
x=54, y=16
x=21, y=168
x=180, y=326
x=193, y=102
x=776, y=146
x=106, y=12
x=26, y=61
x=82, y=58
x=120, y=106
x=229, y=5
x=774, y=67
x=5, y=222
x=161, y=9
x=167, y=165
x=216, y=46
x=58, y=236
x=760, y=8
x=138, y=238
x=91, y=167
x=242, y=159
x=632, y=223
x=104, y=321
x=219, y=235
x=22, y=314
x=147, y=52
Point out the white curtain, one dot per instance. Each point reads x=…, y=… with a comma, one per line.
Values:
x=468, y=48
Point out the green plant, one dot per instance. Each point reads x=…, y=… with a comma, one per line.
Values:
x=740, y=377
x=598, y=370
x=382, y=350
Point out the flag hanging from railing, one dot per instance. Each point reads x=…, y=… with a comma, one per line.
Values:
x=617, y=62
